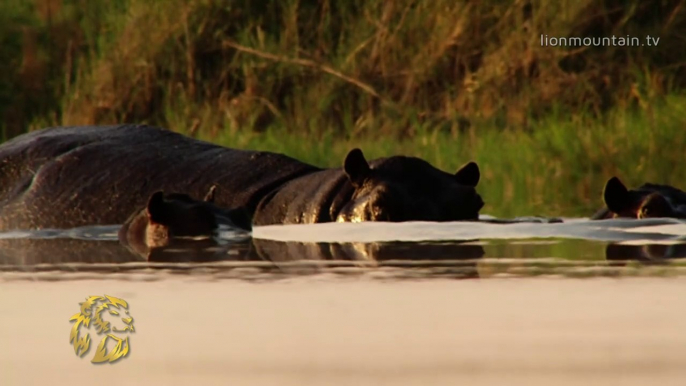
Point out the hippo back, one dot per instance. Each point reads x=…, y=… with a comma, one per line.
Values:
x=73, y=176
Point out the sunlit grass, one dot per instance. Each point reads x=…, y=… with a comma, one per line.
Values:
x=558, y=168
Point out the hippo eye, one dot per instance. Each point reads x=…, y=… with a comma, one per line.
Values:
x=644, y=212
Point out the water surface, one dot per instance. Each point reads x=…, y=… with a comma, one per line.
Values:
x=575, y=247
x=367, y=303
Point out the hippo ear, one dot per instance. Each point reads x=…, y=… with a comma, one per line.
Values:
x=468, y=175
x=209, y=197
x=615, y=195
x=356, y=166
x=156, y=207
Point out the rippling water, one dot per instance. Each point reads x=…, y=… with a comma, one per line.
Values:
x=575, y=247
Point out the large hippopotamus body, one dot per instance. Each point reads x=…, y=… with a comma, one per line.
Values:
x=67, y=177
x=646, y=201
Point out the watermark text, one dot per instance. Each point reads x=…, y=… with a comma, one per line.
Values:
x=608, y=41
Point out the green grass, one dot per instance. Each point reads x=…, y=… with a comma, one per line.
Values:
x=445, y=80
x=558, y=168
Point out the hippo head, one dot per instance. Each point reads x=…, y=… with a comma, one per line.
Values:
x=409, y=189
x=171, y=216
x=655, y=205
x=645, y=202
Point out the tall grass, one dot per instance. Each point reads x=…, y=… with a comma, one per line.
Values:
x=445, y=80
x=558, y=168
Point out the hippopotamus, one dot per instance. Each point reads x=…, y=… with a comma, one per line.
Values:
x=647, y=201
x=174, y=221
x=168, y=218
x=175, y=227
x=65, y=177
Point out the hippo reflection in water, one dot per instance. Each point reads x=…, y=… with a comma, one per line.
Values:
x=454, y=259
x=647, y=201
x=176, y=228
x=619, y=254
x=177, y=222
x=68, y=177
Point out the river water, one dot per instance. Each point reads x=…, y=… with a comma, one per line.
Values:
x=578, y=302
x=576, y=247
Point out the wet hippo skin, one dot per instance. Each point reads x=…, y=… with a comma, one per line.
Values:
x=172, y=216
x=67, y=177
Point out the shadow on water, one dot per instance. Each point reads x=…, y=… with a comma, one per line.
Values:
x=575, y=247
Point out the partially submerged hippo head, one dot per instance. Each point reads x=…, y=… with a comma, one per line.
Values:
x=648, y=201
x=168, y=217
x=409, y=189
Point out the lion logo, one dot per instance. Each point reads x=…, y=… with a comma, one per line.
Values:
x=95, y=309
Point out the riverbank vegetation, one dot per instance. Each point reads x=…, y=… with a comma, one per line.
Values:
x=445, y=80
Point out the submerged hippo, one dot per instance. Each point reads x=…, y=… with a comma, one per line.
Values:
x=169, y=218
x=649, y=200
x=66, y=177
x=174, y=223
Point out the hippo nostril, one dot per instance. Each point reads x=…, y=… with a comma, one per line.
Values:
x=373, y=213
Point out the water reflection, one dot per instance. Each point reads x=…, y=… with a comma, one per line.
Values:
x=546, y=247
x=645, y=253
x=71, y=247
x=31, y=252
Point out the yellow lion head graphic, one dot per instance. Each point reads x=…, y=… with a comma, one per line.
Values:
x=95, y=309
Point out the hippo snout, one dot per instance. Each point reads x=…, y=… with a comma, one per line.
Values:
x=478, y=202
x=477, y=205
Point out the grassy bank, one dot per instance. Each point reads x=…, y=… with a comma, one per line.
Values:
x=557, y=168
x=445, y=80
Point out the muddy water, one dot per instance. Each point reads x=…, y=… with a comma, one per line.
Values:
x=579, y=302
